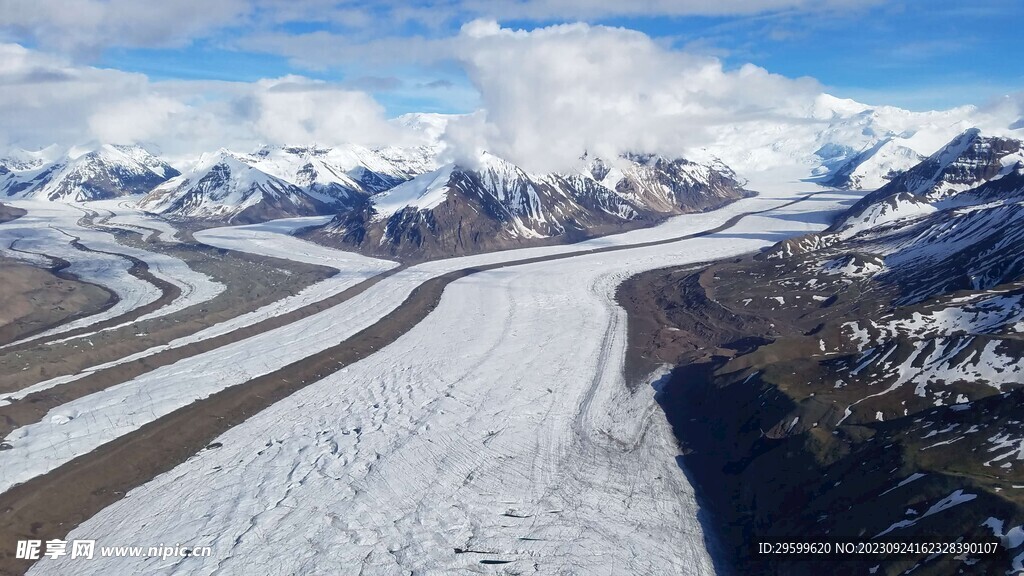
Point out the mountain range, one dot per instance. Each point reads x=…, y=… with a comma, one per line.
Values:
x=495, y=205
x=390, y=201
x=276, y=182
x=413, y=201
x=107, y=171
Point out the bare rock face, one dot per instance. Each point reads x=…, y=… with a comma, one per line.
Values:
x=967, y=161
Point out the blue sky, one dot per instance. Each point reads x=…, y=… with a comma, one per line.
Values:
x=914, y=54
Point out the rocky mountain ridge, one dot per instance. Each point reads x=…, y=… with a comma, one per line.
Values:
x=864, y=383
x=496, y=205
x=107, y=171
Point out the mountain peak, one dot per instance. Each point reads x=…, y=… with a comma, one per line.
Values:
x=87, y=172
x=423, y=192
x=965, y=163
x=827, y=106
x=968, y=160
x=494, y=204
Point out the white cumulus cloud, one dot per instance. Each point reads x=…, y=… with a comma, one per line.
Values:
x=552, y=93
x=296, y=110
x=51, y=100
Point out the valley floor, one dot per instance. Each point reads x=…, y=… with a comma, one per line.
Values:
x=497, y=435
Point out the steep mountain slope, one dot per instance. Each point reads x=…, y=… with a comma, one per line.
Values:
x=873, y=168
x=864, y=384
x=107, y=171
x=666, y=185
x=223, y=187
x=968, y=160
x=495, y=205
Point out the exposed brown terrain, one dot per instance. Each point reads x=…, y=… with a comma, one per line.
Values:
x=34, y=299
x=445, y=232
x=33, y=407
x=94, y=481
x=755, y=403
x=8, y=213
x=862, y=384
x=251, y=281
x=139, y=269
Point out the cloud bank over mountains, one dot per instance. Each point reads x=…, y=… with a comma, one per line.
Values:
x=50, y=99
x=547, y=95
x=554, y=92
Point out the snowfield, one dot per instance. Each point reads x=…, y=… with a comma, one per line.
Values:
x=423, y=193
x=274, y=239
x=500, y=426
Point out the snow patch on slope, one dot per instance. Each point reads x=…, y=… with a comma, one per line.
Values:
x=421, y=193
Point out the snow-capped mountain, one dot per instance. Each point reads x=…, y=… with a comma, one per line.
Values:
x=835, y=136
x=278, y=181
x=666, y=185
x=331, y=179
x=865, y=382
x=970, y=160
x=221, y=186
x=23, y=160
x=458, y=209
x=334, y=174
x=106, y=171
x=873, y=168
x=844, y=143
